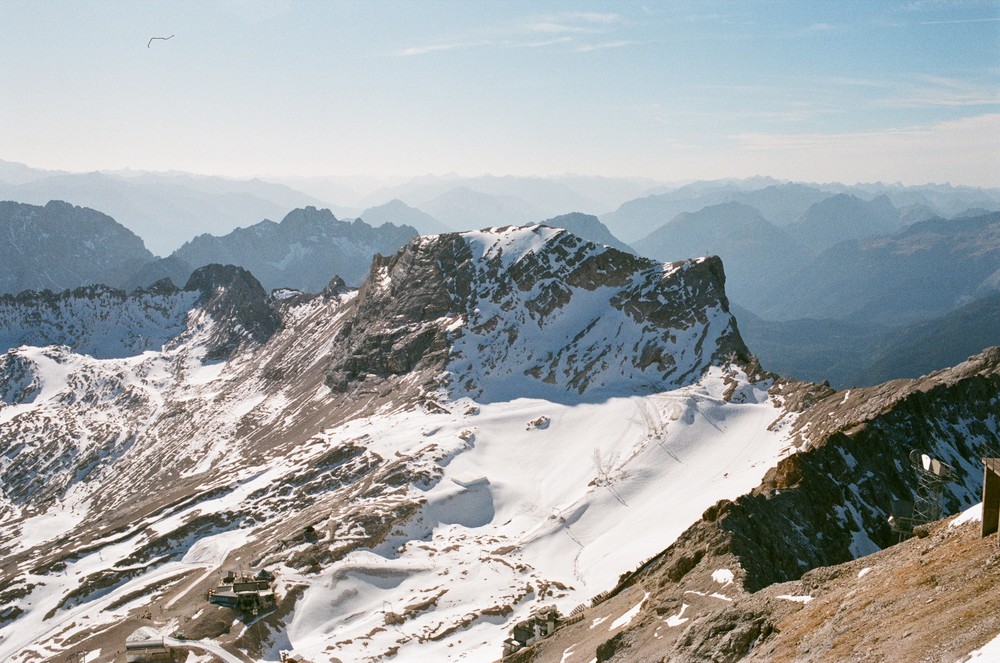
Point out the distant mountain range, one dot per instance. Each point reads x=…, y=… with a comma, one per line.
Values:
x=399, y=213
x=926, y=270
x=824, y=272
x=785, y=203
x=851, y=354
x=163, y=209
x=304, y=251
x=59, y=246
x=752, y=249
x=844, y=217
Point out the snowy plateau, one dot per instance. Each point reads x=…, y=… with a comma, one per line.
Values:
x=495, y=421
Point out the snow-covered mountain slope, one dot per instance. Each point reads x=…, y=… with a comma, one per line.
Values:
x=826, y=504
x=497, y=420
x=96, y=320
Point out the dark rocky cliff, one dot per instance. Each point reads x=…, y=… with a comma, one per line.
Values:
x=494, y=305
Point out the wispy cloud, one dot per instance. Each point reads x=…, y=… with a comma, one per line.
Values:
x=550, y=27
x=540, y=31
x=542, y=43
x=962, y=20
x=945, y=92
x=595, y=17
x=432, y=48
x=617, y=43
x=573, y=22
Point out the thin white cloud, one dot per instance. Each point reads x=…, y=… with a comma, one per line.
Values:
x=433, y=48
x=536, y=44
x=962, y=20
x=546, y=30
x=618, y=43
x=551, y=27
x=596, y=17
x=938, y=91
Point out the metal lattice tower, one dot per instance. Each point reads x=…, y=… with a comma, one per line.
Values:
x=932, y=476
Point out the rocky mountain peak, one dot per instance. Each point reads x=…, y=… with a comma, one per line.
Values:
x=508, y=312
x=59, y=246
x=238, y=305
x=303, y=252
x=306, y=217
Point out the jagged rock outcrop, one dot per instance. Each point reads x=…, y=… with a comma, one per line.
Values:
x=237, y=304
x=59, y=246
x=392, y=334
x=535, y=310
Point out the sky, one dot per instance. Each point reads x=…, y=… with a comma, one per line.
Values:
x=808, y=91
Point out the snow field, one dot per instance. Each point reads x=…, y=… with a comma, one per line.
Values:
x=519, y=507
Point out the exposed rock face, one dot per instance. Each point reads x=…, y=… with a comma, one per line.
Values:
x=59, y=246
x=392, y=334
x=535, y=310
x=237, y=304
x=304, y=251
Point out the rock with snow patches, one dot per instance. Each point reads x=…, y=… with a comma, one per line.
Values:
x=239, y=307
x=96, y=320
x=537, y=311
x=104, y=322
x=828, y=504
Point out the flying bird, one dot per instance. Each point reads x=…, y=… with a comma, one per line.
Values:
x=163, y=38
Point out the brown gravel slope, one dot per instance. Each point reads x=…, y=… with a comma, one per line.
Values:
x=931, y=598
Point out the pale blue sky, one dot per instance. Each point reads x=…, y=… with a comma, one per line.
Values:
x=816, y=91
